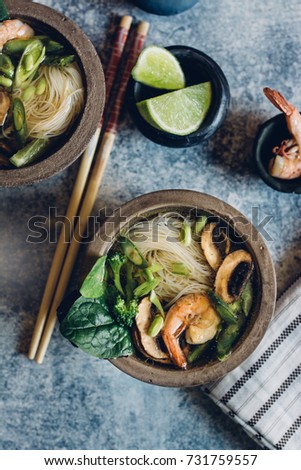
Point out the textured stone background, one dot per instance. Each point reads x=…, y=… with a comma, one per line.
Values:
x=76, y=401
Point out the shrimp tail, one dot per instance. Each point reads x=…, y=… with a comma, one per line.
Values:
x=175, y=351
x=278, y=100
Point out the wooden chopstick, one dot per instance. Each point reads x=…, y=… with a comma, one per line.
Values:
x=92, y=190
x=78, y=189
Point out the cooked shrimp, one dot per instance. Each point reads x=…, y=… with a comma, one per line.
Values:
x=12, y=29
x=193, y=313
x=287, y=163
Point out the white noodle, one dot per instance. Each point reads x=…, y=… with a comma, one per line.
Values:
x=52, y=113
x=159, y=242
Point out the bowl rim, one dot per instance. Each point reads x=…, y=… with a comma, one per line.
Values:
x=160, y=200
x=207, y=129
x=284, y=186
x=47, y=18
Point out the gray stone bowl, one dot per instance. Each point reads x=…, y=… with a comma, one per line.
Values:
x=150, y=205
x=70, y=146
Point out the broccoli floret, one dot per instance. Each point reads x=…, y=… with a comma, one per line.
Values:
x=117, y=260
x=125, y=312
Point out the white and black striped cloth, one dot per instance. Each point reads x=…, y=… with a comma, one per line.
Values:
x=264, y=393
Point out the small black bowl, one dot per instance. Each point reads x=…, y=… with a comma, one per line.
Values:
x=270, y=134
x=197, y=68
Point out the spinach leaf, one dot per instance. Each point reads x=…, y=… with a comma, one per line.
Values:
x=92, y=286
x=89, y=325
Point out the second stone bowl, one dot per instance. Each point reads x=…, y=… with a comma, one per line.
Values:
x=70, y=145
x=197, y=67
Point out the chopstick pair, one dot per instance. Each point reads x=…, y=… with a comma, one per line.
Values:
x=65, y=254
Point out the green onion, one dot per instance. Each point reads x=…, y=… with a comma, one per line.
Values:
x=180, y=268
x=186, y=235
x=156, y=326
x=156, y=302
x=200, y=224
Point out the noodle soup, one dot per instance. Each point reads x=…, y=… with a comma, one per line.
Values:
x=176, y=290
x=41, y=93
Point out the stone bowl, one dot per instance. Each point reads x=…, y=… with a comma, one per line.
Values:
x=270, y=134
x=198, y=67
x=150, y=205
x=70, y=146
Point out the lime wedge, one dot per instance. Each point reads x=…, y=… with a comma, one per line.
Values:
x=179, y=112
x=158, y=68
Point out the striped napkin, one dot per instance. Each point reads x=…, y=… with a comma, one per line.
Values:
x=264, y=393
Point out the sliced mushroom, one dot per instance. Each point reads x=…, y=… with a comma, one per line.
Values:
x=232, y=275
x=4, y=106
x=215, y=244
x=147, y=345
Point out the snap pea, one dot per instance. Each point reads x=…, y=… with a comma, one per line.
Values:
x=59, y=61
x=19, y=119
x=156, y=326
x=247, y=298
x=226, y=340
x=6, y=66
x=29, y=153
x=53, y=47
x=17, y=46
x=132, y=253
x=197, y=352
x=32, y=57
x=235, y=307
x=223, y=309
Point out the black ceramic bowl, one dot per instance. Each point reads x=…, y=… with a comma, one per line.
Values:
x=197, y=67
x=270, y=134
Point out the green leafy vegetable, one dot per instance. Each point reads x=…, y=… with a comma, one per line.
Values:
x=90, y=326
x=3, y=11
x=93, y=286
x=125, y=312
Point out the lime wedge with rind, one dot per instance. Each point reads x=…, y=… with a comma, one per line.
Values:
x=179, y=112
x=158, y=68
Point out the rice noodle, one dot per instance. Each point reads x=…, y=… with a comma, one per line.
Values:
x=159, y=242
x=52, y=113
